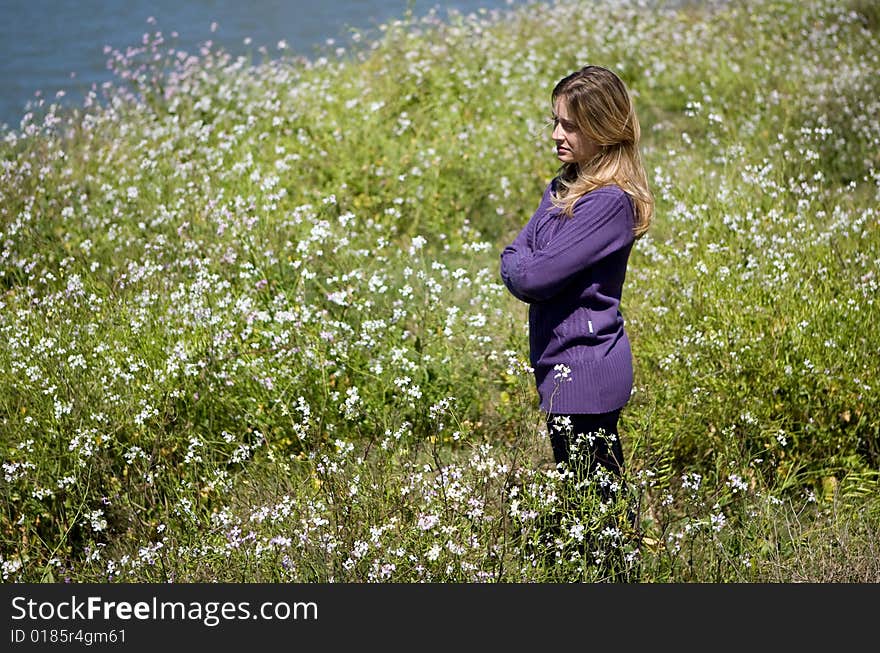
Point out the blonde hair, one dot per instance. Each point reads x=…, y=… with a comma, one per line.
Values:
x=602, y=110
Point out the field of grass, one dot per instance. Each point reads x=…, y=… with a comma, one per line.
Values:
x=253, y=328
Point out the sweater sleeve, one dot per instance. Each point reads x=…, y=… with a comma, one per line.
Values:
x=520, y=246
x=601, y=224
x=510, y=258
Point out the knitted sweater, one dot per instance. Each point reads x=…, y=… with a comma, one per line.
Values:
x=570, y=270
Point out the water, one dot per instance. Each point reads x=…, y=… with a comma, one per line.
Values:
x=47, y=46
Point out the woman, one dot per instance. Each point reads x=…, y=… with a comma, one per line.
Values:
x=569, y=265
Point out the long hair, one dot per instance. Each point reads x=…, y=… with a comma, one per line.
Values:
x=602, y=110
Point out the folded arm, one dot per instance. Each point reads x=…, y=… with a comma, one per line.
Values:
x=601, y=224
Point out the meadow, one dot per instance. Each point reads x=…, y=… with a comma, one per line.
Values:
x=253, y=328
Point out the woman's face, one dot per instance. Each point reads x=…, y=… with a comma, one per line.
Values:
x=571, y=145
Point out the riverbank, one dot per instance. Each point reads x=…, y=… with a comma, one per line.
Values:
x=55, y=51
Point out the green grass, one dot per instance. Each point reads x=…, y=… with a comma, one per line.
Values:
x=253, y=327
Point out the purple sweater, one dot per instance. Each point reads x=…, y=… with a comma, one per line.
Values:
x=571, y=271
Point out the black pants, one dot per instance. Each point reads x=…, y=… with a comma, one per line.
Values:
x=586, y=441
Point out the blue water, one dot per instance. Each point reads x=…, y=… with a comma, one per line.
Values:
x=47, y=46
